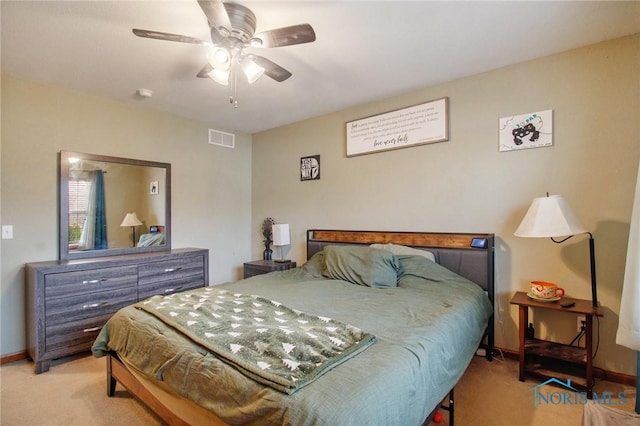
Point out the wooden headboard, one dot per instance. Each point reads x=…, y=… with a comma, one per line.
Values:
x=467, y=254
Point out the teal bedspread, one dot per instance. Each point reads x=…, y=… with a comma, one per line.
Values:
x=427, y=330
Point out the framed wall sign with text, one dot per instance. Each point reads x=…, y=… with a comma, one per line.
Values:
x=416, y=125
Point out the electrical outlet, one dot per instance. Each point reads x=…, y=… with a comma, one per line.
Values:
x=581, y=319
x=7, y=232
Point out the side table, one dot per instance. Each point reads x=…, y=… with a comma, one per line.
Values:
x=555, y=360
x=258, y=267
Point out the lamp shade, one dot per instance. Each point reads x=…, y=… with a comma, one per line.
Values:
x=280, y=234
x=549, y=217
x=131, y=219
x=252, y=70
x=219, y=76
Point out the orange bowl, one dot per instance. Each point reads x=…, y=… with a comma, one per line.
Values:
x=546, y=290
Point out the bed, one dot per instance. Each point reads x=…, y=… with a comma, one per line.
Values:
x=412, y=339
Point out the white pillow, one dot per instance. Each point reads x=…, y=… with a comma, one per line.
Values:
x=399, y=250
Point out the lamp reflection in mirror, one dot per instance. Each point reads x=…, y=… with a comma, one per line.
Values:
x=131, y=219
x=552, y=217
x=281, y=238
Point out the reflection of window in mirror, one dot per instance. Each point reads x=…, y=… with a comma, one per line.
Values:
x=79, y=190
x=87, y=210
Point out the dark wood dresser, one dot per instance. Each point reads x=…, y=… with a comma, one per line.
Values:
x=68, y=302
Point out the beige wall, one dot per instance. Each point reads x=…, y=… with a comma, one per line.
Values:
x=466, y=184
x=211, y=185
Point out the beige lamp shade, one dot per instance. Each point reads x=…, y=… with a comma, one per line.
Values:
x=549, y=217
x=280, y=234
x=131, y=219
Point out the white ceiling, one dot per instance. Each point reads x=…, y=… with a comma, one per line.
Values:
x=364, y=51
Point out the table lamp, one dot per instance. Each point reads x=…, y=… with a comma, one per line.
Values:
x=281, y=238
x=552, y=217
x=131, y=219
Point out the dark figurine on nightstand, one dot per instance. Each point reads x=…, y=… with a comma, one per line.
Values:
x=266, y=233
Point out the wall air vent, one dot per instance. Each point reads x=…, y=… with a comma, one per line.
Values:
x=216, y=137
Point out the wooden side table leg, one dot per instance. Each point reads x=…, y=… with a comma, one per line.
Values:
x=589, y=350
x=523, y=314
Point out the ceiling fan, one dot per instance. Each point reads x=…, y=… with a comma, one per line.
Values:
x=232, y=29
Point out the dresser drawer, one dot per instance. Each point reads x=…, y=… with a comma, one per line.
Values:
x=82, y=282
x=86, y=305
x=171, y=286
x=172, y=269
x=171, y=276
x=71, y=337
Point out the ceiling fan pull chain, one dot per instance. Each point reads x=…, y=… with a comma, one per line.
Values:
x=234, y=98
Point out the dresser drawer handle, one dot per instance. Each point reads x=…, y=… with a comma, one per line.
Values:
x=94, y=305
x=94, y=281
x=92, y=329
x=173, y=269
x=171, y=290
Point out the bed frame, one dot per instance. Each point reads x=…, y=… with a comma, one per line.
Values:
x=469, y=255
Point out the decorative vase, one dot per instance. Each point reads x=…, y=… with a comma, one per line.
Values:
x=266, y=255
x=266, y=233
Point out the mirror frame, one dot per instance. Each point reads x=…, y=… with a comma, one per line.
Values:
x=63, y=217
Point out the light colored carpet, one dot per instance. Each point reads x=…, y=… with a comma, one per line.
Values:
x=74, y=393
x=71, y=393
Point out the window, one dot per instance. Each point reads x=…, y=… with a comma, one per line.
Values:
x=79, y=190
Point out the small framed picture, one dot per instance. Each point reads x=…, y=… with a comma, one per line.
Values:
x=153, y=188
x=310, y=168
x=532, y=130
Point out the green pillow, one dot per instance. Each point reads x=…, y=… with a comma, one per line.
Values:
x=362, y=265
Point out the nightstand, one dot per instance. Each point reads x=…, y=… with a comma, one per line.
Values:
x=554, y=360
x=258, y=267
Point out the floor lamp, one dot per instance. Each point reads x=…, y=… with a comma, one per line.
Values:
x=131, y=219
x=551, y=217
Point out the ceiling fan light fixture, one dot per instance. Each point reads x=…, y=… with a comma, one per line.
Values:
x=255, y=42
x=232, y=28
x=252, y=70
x=220, y=76
x=220, y=57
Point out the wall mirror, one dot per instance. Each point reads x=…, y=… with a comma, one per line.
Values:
x=111, y=206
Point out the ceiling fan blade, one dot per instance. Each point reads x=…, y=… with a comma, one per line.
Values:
x=204, y=72
x=271, y=69
x=169, y=37
x=216, y=14
x=286, y=36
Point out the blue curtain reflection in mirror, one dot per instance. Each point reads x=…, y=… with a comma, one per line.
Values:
x=88, y=210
